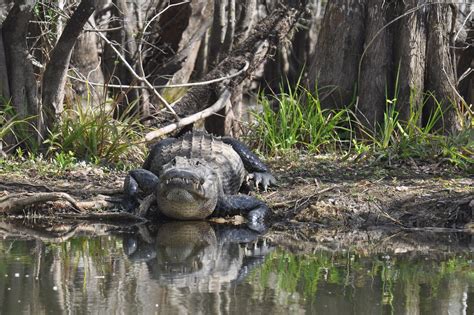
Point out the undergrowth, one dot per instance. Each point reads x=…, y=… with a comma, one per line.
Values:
x=86, y=133
x=293, y=119
x=93, y=135
x=290, y=121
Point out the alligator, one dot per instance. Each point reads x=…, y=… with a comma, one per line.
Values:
x=199, y=175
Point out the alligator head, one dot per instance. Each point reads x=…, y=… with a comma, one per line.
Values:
x=188, y=189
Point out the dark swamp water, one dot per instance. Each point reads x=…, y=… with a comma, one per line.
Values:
x=197, y=268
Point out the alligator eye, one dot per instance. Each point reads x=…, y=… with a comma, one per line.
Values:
x=197, y=163
x=174, y=162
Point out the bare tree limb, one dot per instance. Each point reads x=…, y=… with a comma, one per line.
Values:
x=124, y=86
x=139, y=78
x=191, y=119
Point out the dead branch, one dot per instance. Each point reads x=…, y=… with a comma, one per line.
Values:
x=254, y=50
x=16, y=203
x=191, y=119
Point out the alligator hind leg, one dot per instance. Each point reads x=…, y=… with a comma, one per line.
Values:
x=250, y=207
x=136, y=180
x=258, y=171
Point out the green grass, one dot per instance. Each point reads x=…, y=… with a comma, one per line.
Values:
x=295, y=120
x=286, y=124
x=12, y=126
x=93, y=135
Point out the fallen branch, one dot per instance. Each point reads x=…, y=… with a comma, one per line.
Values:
x=16, y=203
x=253, y=51
x=223, y=99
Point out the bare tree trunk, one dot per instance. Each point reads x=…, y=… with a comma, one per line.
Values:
x=230, y=31
x=334, y=68
x=115, y=72
x=404, y=45
x=54, y=77
x=218, y=30
x=189, y=46
x=85, y=58
x=376, y=72
x=247, y=10
x=4, y=86
x=410, y=56
x=22, y=83
x=440, y=77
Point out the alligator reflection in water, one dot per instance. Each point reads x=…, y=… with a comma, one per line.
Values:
x=196, y=255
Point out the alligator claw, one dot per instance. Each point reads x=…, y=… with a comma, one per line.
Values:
x=263, y=179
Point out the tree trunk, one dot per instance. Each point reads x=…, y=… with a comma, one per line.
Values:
x=410, y=56
x=188, y=48
x=54, y=78
x=334, y=68
x=404, y=47
x=440, y=77
x=21, y=80
x=376, y=73
x=85, y=59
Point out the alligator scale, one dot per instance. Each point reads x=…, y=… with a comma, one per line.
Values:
x=199, y=175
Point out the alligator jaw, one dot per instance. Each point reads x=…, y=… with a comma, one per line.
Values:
x=184, y=181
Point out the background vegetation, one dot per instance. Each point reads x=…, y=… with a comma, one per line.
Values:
x=86, y=79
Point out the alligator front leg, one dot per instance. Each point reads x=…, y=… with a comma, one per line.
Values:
x=250, y=207
x=258, y=171
x=135, y=181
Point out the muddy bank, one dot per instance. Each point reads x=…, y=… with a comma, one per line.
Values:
x=315, y=192
x=324, y=192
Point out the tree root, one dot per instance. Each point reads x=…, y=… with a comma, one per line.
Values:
x=20, y=202
x=16, y=203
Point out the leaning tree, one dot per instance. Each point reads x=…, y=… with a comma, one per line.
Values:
x=135, y=53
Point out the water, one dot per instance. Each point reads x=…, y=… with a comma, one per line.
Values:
x=197, y=268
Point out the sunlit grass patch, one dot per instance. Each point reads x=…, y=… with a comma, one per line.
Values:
x=295, y=120
x=94, y=135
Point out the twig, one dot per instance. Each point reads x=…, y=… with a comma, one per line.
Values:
x=123, y=86
x=133, y=72
x=225, y=96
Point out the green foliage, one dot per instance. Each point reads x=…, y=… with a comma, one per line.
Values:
x=286, y=124
x=19, y=129
x=397, y=139
x=295, y=120
x=93, y=135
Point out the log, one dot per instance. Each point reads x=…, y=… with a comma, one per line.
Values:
x=252, y=51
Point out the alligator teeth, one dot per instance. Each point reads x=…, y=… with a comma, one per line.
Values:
x=167, y=181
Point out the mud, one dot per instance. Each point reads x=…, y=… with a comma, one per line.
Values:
x=315, y=193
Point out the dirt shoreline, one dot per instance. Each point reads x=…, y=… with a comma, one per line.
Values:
x=315, y=192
